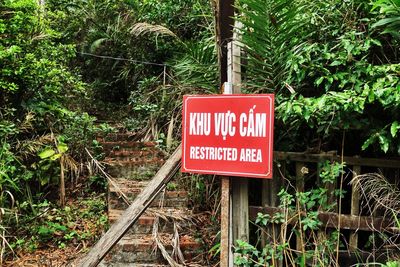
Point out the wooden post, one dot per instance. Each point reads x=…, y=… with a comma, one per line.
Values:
x=299, y=188
x=225, y=219
x=224, y=26
x=237, y=227
x=355, y=207
x=265, y=202
x=239, y=185
x=230, y=204
x=62, y=182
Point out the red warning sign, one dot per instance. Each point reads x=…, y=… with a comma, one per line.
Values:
x=228, y=135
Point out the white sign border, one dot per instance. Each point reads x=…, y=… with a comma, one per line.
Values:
x=270, y=151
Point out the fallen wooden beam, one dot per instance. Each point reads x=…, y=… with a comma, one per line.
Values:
x=330, y=219
x=133, y=212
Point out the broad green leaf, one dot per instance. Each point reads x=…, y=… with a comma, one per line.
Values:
x=368, y=142
x=297, y=109
x=62, y=147
x=319, y=81
x=46, y=153
x=55, y=157
x=385, y=21
x=384, y=142
x=394, y=128
x=335, y=63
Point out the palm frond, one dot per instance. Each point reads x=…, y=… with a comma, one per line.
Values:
x=271, y=33
x=198, y=66
x=143, y=28
x=96, y=44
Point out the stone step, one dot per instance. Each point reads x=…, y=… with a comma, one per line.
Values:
x=135, y=155
x=126, y=145
x=110, y=264
x=131, y=189
x=134, y=160
x=124, y=153
x=114, y=137
x=134, y=170
x=144, y=224
x=142, y=249
x=133, y=186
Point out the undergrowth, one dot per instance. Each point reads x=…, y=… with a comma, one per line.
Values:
x=80, y=223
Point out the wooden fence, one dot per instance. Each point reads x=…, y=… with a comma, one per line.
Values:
x=302, y=171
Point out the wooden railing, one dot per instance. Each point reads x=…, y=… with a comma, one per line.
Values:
x=300, y=163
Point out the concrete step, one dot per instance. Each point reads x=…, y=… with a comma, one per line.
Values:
x=145, y=223
x=141, y=249
x=131, y=189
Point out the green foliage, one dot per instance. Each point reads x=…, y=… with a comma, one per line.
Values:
x=298, y=217
x=270, y=38
x=62, y=226
x=196, y=67
x=132, y=30
x=331, y=69
x=177, y=36
x=41, y=126
x=390, y=10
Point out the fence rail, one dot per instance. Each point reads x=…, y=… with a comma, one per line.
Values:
x=298, y=165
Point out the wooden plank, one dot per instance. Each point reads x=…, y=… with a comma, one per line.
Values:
x=300, y=188
x=355, y=207
x=331, y=187
x=133, y=212
x=330, y=220
x=265, y=202
x=225, y=215
x=304, y=157
x=240, y=209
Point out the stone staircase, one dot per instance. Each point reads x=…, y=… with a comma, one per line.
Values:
x=164, y=234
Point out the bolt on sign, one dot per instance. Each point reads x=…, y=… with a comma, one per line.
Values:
x=228, y=135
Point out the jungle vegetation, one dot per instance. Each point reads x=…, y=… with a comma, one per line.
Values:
x=333, y=66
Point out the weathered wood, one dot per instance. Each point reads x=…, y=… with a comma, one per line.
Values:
x=62, y=182
x=355, y=207
x=224, y=12
x=131, y=214
x=225, y=215
x=304, y=157
x=240, y=208
x=265, y=201
x=330, y=220
x=239, y=186
x=300, y=167
x=224, y=30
